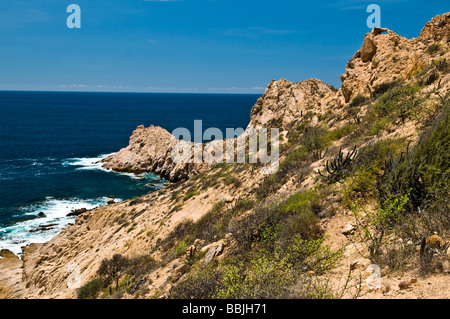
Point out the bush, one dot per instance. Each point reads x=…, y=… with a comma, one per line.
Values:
x=90, y=290
x=111, y=269
x=435, y=47
x=384, y=87
x=243, y=205
x=376, y=225
x=264, y=277
x=303, y=201
x=200, y=284
x=341, y=132
x=423, y=171
x=358, y=100
x=311, y=255
x=294, y=161
x=316, y=138
x=398, y=101
x=232, y=180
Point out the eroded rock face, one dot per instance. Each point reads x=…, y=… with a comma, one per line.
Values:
x=385, y=58
x=284, y=103
x=438, y=29
x=150, y=150
x=368, y=48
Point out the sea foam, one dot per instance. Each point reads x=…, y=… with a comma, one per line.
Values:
x=55, y=219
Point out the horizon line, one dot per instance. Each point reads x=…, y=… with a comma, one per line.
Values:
x=127, y=92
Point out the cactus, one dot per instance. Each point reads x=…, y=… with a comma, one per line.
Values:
x=318, y=155
x=339, y=165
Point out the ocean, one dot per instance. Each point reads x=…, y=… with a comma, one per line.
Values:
x=50, y=143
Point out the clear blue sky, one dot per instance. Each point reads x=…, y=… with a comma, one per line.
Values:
x=223, y=46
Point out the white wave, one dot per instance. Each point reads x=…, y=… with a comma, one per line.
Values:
x=55, y=210
x=95, y=163
x=87, y=163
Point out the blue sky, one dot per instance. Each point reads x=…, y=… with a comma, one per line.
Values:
x=213, y=46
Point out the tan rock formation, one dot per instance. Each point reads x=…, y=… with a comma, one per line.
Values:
x=149, y=150
x=389, y=57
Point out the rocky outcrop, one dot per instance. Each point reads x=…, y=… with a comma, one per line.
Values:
x=284, y=103
x=368, y=48
x=438, y=29
x=282, y=106
x=385, y=58
x=150, y=150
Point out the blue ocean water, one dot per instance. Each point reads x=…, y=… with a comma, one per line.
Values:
x=50, y=143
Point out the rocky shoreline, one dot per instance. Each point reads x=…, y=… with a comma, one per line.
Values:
x=149, y=225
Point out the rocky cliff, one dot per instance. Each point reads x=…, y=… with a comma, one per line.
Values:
x=150, y=150
x=385, y=58
x=174, y=231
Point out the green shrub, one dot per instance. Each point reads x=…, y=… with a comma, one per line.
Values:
x=293, y=162
x=243, y=205
x=90, y=290
x=191, y=194
x=398, y=101
x=311, y=255
x=378, y=126
x=182, y=246
x=199, y=284
x=316, y=138
x=376, y=225
x=424, y=171
x=384, y=87
x=264, y=277
x=433, y=48
x=303, y=201
x=358, y=100
x=341, y=132
x=232, y=180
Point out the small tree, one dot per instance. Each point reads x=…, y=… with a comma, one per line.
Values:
x=110, y=269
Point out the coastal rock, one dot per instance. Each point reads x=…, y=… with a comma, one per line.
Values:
x=150, y=150
x=77, y=212
x=43, y=228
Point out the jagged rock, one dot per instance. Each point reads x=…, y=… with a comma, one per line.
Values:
x=77, y=212
x=368, y=48
x=150, y=150
x=386, y=58
x=377, y=31
x=42, y=228
x=213, y=250
x=437, y=29
x=283, y=103
x=5, y=253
